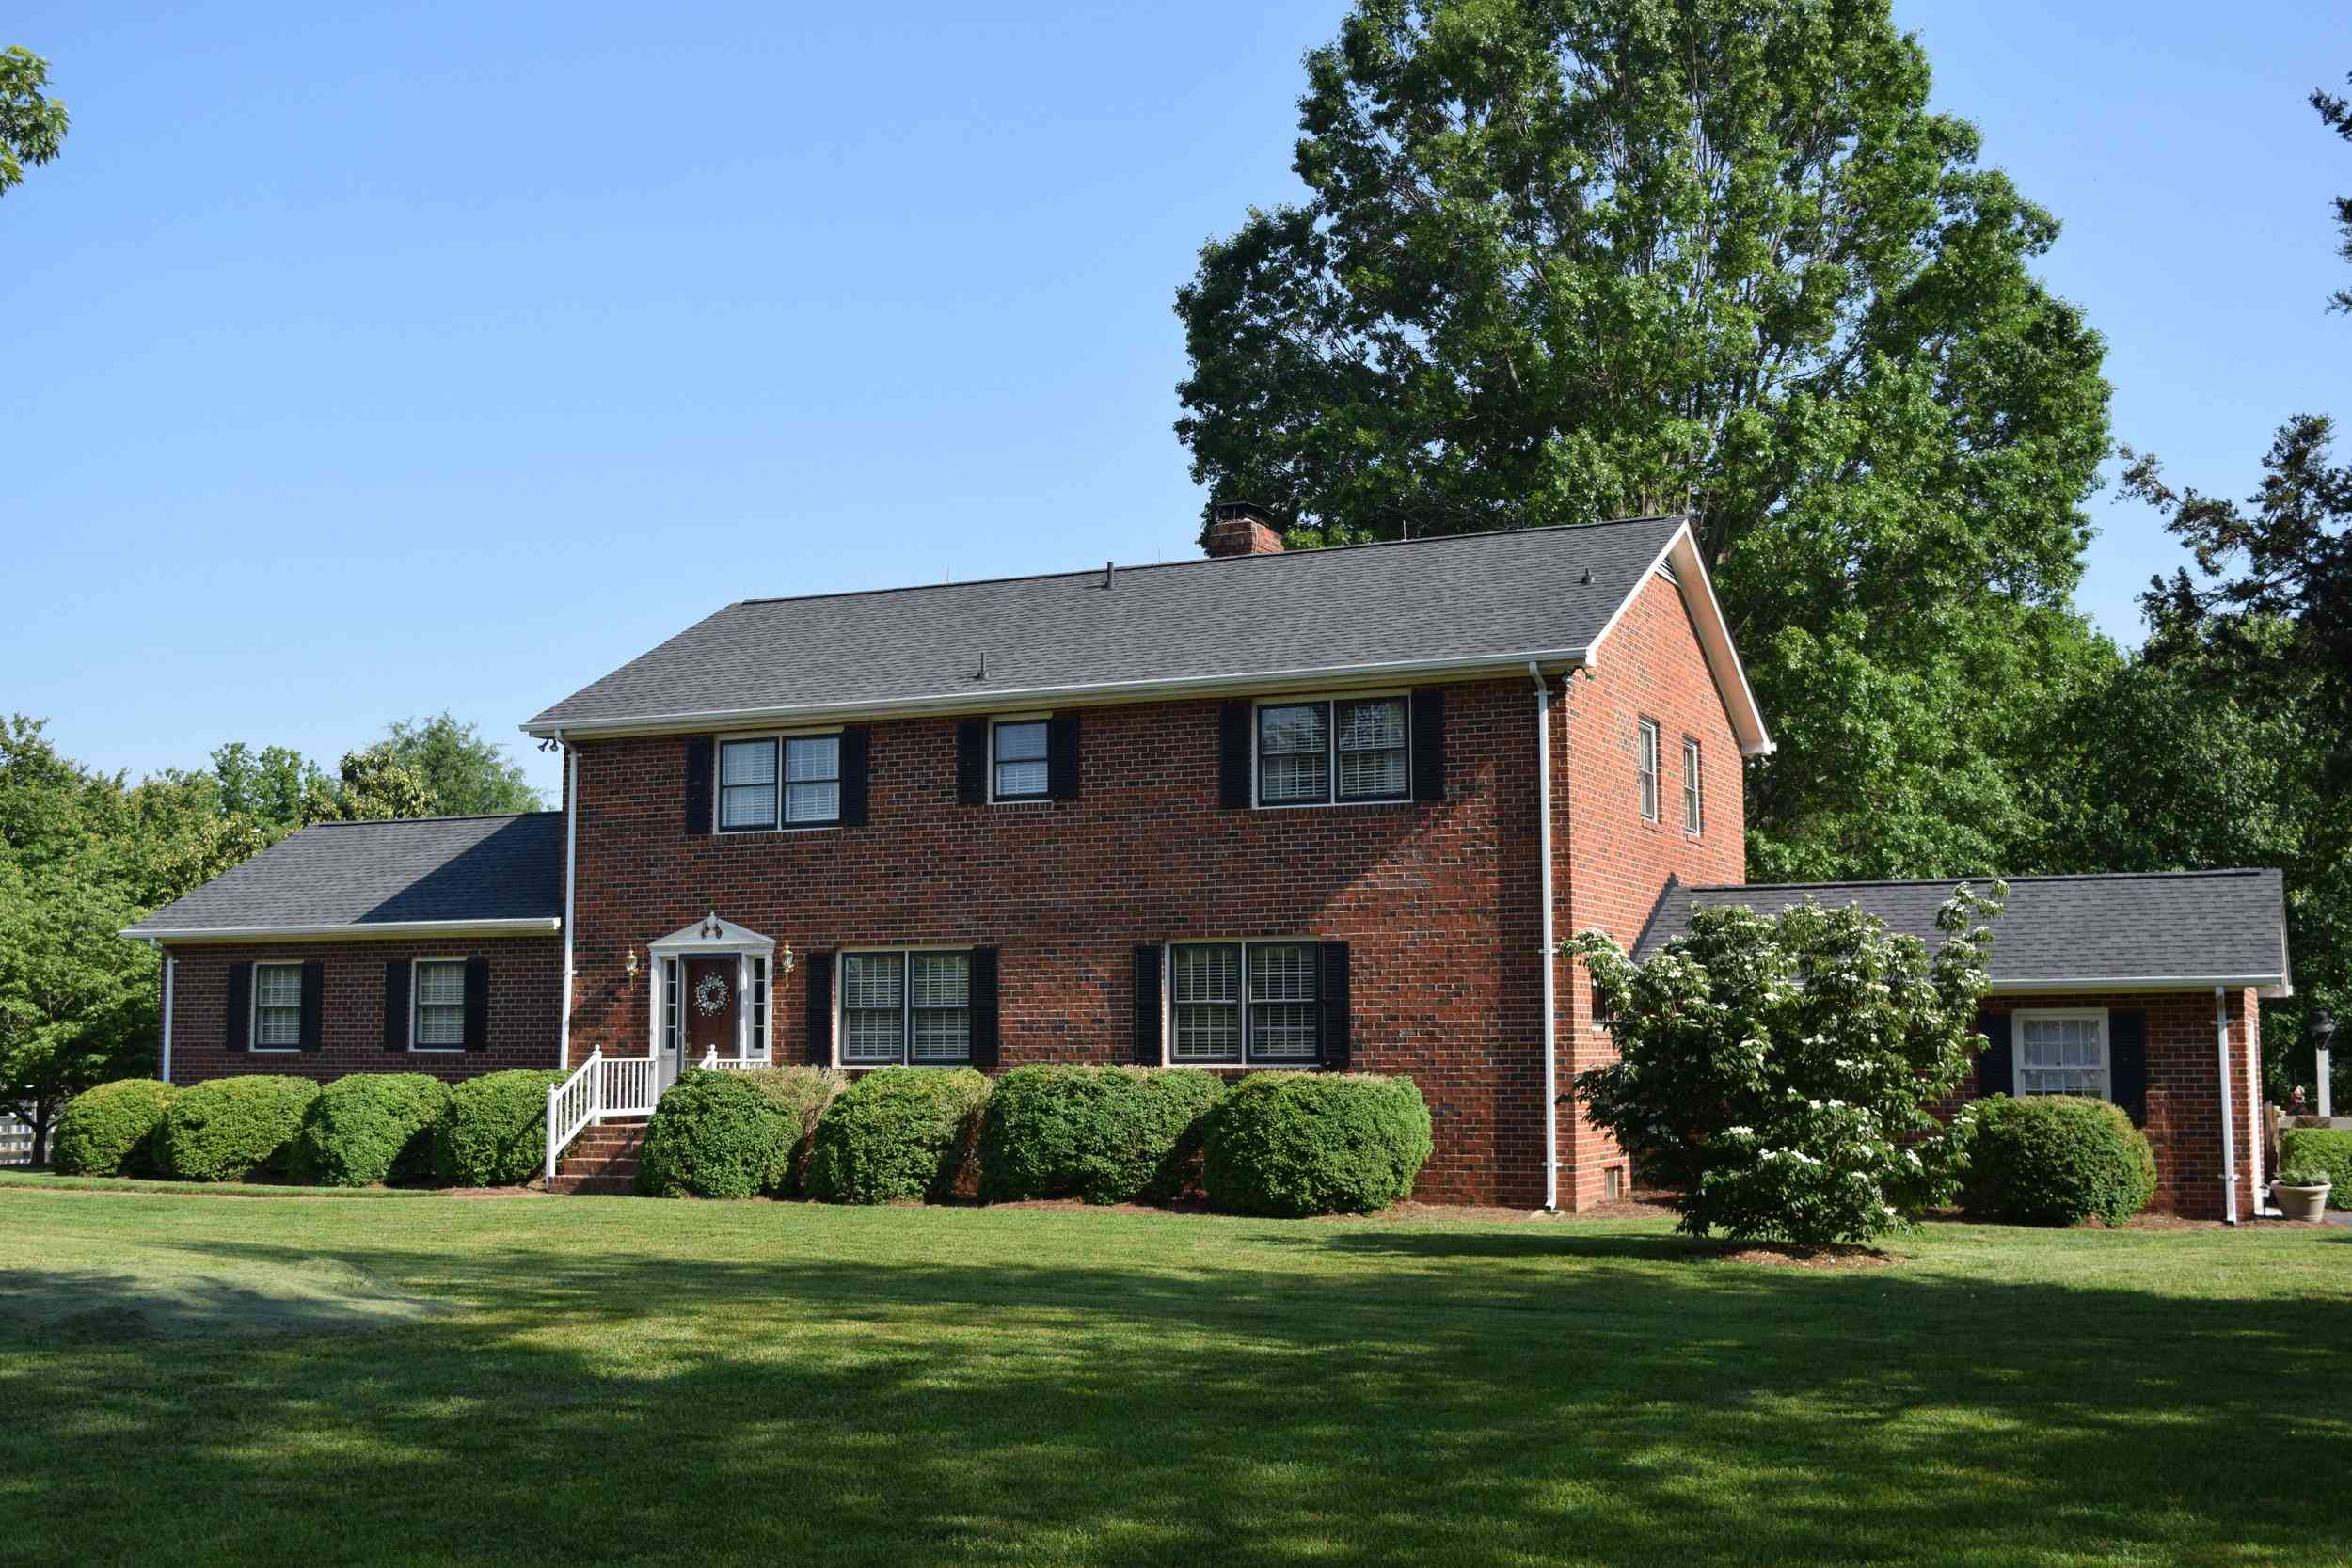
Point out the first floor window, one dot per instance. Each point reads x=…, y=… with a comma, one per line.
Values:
x=790, y=782
x=1234, y=1002
x=1694, y=809
x=759, y=1006
x=277, y=1006
x=439, y=1004
x=1646, y=767
x=906, y=1007
x=1021, y=767
x=1345, y=749
x=672, y=1004
x=2063, y=1053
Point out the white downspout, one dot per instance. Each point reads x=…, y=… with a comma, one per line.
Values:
x=171, y=976
x=571, y=878
x=1551, y=958
x=2229, y=1111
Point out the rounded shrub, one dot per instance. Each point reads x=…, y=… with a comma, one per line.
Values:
x=801, y=1093
x=368, y=1128
x=232, y=1127
x=112, y=1129
x=1315, y=1143
x=2328, y=1149
x=1107, y=1134
x=898, y=1133
x=495, y=1132
x=2055, y=1160
x=714, y=1135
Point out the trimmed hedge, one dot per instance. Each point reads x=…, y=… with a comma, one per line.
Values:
x=715, y=1136
x=232, y=1127
x=1315, y=1143
x=1108, y=1135
x=2327, y=1148
x=370, y=1127
x=898, y=1133
x=801, y=1093
x=112, y=1129
x=2055, y=1159
x=495, y=1132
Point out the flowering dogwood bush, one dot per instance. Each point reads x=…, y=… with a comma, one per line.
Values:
x=1778, y=1070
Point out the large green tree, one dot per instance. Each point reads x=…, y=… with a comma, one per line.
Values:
x=464, y=774
x=32, y=123
x=1565, y=259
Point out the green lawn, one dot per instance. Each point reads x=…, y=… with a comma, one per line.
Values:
x=191, y=1381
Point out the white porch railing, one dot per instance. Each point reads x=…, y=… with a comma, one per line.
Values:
x=736, y=1064
x=605, y=1086
x=629, y=1086
x=573, y=1106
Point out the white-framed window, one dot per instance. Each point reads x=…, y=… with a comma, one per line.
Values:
x=277, y=1006
x=437, y=1004
x=1646, y=767
x=1693, y=805
x=1326, y=750
x=673, y=1005
x=759, y=1007
x=1018, y=767
x=1236, y=1003
x=771, y=781
x=908, y=1007
x=2063, y=1050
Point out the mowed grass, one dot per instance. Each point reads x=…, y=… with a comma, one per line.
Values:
x=188, y=1380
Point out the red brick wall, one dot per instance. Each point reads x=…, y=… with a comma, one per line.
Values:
x=2185, y=1090
x=1613, y=860
x=1437, y=900
x=526, y=988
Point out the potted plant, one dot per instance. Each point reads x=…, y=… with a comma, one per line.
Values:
x=2301, y=1193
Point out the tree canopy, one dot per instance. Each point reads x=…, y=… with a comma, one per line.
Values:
x=1566, y=260
x=32, y=124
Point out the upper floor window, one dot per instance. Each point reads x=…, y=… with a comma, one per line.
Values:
x=1645, y=765
x=751, y=796
x=906, y=1007
x=1693, y=808
x=1232, y=1002
x=2063, y=1051
x=277, y=1006
x=437, y=1006
x=1020, y=770
x=1336, y=750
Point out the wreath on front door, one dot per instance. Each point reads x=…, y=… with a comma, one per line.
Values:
x=710, y=993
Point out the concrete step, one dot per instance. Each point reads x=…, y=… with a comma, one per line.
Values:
x=609, y=1186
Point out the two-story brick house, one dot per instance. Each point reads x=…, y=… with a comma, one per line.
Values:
x=1326, y=808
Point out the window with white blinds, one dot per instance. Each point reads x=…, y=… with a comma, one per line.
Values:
x=788, y=782
x=277, y=1006
x=1254, y=1001
x=1337, y=750
x=1645, y=765
x=906, y=1007
x=1022, y=772
x=811, y=771
x=2063, y=1051
x=438, y=1005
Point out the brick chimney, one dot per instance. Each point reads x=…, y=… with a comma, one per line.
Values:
x=1242, y=528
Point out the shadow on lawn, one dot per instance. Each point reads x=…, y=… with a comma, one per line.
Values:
x=606, y=1407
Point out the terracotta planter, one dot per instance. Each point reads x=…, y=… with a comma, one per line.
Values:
x=2300, y=1203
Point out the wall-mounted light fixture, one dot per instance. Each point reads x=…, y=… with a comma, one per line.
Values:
x=630, y=963
x=784, y=960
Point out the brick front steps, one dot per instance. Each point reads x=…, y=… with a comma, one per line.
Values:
x=603, y=1159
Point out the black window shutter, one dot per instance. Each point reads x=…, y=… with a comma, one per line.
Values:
x=1337, y=1036
x=238, y=1034
x=983, y=999
x=313, y=1002
x=2127, y=1063
x=395, y=1006
x=853, y=777
x=1148, y=1004
x=1429, y=743
x=819, y=968
x=477, y=1004
x=1061, y=756
x=1232, y=759
x=699, y=749
x=971, y=762
x=1996, y=1069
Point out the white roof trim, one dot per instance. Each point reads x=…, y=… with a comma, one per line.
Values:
x=710, y=934
x=2269, y=986
x=535, y=926
x=1715, y=633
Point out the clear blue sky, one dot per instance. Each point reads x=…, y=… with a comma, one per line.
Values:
x=368, y=361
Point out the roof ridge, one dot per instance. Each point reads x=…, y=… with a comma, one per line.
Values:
x=1215, y=559
x=1982, y=877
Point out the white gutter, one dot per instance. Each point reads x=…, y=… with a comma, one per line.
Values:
x=534, y=926
x=1551, y=958
x=2268, y=985
x=170, y=979
x=571, y=875
x=981, y=702
x=2229, y=1115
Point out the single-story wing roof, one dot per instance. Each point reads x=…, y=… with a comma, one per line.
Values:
x=2145, y=931
x=360, y=879
x=1424, y=606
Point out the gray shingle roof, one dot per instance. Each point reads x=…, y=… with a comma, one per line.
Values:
x=2183, y=926
x=440, y=869
x=1458, y=597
